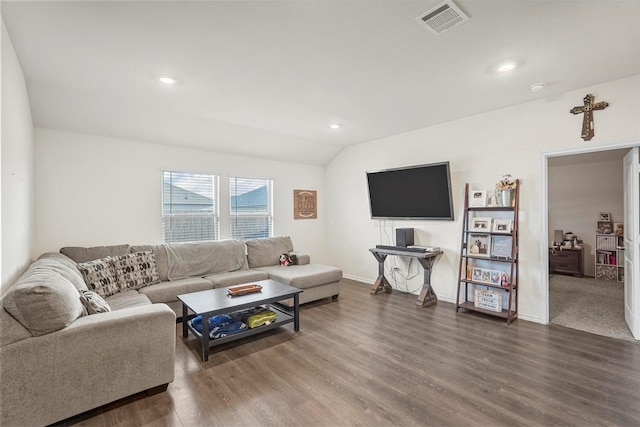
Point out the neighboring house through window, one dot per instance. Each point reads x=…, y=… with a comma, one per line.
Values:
x=189, y=207
x=250, y=208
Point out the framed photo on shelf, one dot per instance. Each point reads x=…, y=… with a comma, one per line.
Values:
x=492, y=200
x=477, y=274
x=618, y=229
x=477, y=198
x=504, y=280
x=496, y=277
x=486, y=275
x=605, y=217
x=478, y=245
x=501, y=246
x=605, y=227
x=502, y=225
x=481, y=224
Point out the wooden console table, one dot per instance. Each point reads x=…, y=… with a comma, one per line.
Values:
x=427, y=296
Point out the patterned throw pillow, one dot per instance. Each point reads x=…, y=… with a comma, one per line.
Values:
x=93, y=302
x=100, y=276
x=136, y=270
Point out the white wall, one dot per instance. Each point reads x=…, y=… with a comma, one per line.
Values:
x=480, y=149
x=98, y=191
x=17, y=167
x=577, y=195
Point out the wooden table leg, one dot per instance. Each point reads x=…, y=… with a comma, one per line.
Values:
x=296, y=312
x=427, y=296
x=381, y=284
x=185, y=318
x=205, y=337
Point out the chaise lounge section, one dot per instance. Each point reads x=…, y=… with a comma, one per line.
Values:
x=316, y=280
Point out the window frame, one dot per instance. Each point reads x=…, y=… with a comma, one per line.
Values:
x=268, y=214
x=213, y=215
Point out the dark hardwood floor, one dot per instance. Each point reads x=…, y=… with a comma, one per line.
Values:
x=379, y=360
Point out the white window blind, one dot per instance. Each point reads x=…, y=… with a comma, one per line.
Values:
x=250, y=208
x=189, y=207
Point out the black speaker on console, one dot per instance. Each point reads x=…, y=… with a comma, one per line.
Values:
x=404, y=237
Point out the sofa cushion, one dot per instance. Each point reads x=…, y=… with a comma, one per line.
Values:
x=80, y=254
x=304, y=276
x=169, y=291
x=267, y=251
x=127, y=299
x=237, y=277
x=136, y=270
x=93, y=303
x=43, y=301
x=63, y=265
x=100, y=276
x=203, y=258
x=59, y=257
x=162, y=264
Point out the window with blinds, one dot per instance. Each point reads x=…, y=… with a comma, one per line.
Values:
x=189, y=207
x=250, y=208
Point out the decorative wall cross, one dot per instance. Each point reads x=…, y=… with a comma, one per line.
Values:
x=587, y=109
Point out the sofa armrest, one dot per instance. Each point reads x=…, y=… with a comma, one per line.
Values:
x=302, y=258
x=94, y=361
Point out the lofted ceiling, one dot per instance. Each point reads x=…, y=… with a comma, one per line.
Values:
x=266, y=78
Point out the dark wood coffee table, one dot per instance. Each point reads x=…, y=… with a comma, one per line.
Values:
x=217, y=301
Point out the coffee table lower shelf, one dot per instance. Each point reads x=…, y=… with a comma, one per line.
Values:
x=282, y=319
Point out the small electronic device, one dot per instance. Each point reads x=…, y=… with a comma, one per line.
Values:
x=426, y=248
x=402, y=248
x=404, y=237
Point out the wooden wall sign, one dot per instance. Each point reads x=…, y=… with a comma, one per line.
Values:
x=305, y=204
x=587, y=120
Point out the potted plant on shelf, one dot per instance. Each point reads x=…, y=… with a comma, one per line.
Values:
x=506, y=187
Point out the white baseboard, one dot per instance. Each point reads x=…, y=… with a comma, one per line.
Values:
x=452, y=300
x=359, y=279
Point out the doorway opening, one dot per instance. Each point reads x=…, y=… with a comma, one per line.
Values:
x=580, y=186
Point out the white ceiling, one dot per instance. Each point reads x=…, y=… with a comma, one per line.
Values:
x=266, y=78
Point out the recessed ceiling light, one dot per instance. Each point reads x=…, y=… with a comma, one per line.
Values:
x=166, y=79
x=334, y=125
x=506, y=67
x=536, y=87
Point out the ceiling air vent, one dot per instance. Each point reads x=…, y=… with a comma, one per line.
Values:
x=442, y=17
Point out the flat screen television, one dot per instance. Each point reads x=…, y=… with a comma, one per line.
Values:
x=413, y=192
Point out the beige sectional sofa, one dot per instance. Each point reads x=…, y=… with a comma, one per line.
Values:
x=56, y=361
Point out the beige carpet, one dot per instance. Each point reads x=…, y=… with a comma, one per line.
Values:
x=589, y=305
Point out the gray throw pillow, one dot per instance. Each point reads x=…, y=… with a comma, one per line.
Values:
x=80, y=254
x=136, y=270
x=266, y=251
x=43, y=302
x=93, y=302
x=100, y=276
